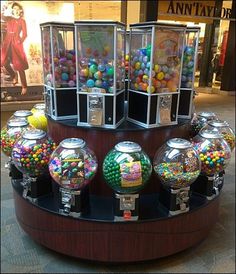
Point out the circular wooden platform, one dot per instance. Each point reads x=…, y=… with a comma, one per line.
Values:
x=99, y=238
x=112, y=241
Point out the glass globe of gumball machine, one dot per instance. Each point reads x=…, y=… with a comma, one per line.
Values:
x=73, y=165
x=199, y=120
x=9, y=135
x=214, y=154
x=30, y=155
x=178, y=165
x=228, y=135
x=22, y=114
x=126, y=169
x=38, y=118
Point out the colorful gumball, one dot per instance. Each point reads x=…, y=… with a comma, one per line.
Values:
x=90, y=83
x=160, y=75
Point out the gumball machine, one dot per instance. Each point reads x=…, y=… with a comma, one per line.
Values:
x=126, y=169
x=30, y=155
x=228, y=135
x=214, y=154
x=224, y=129
x=156, y=52
x=100, y=57
x=38, y=118
x=199, y=120
x=185, y=108
x=59, y=70
x=9, y=134
x=73, y=165
x=177, y=165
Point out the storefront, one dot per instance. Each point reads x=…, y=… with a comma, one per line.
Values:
x=213, y=19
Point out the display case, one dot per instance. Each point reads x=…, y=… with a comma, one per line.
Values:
x=188, y=72
x=100, y=61
x=156, y=52
x=59, y=70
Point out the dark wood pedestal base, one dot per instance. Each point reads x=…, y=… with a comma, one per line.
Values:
x=96, y=236
x=116, y=241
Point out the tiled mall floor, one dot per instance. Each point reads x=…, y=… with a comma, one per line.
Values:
x=216, y=254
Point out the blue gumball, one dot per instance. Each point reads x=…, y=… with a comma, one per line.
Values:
x=140, y=59
x=138, y=52
x=189, y=51
x=144, y=51
x=148, y=65
x=64, y=76
x=140, y=72
x=190, y=64
x=90, y=83
x=105, y=85
x=145, y=59
x=146, y=71
x=101, y=67
x=143, y=66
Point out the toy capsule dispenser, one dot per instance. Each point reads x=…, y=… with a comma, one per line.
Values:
x=186, y=96
x=156, y=52
x=59, y=70
x=100, y=54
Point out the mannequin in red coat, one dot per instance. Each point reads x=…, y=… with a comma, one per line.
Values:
x=12, y=51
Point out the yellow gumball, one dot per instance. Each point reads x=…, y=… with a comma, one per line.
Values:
x=156, y=68
x=160, y=75
x=137, y=65
x=151, y=89
x=127, y=57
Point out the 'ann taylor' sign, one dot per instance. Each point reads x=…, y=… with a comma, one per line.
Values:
x=197, y=9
